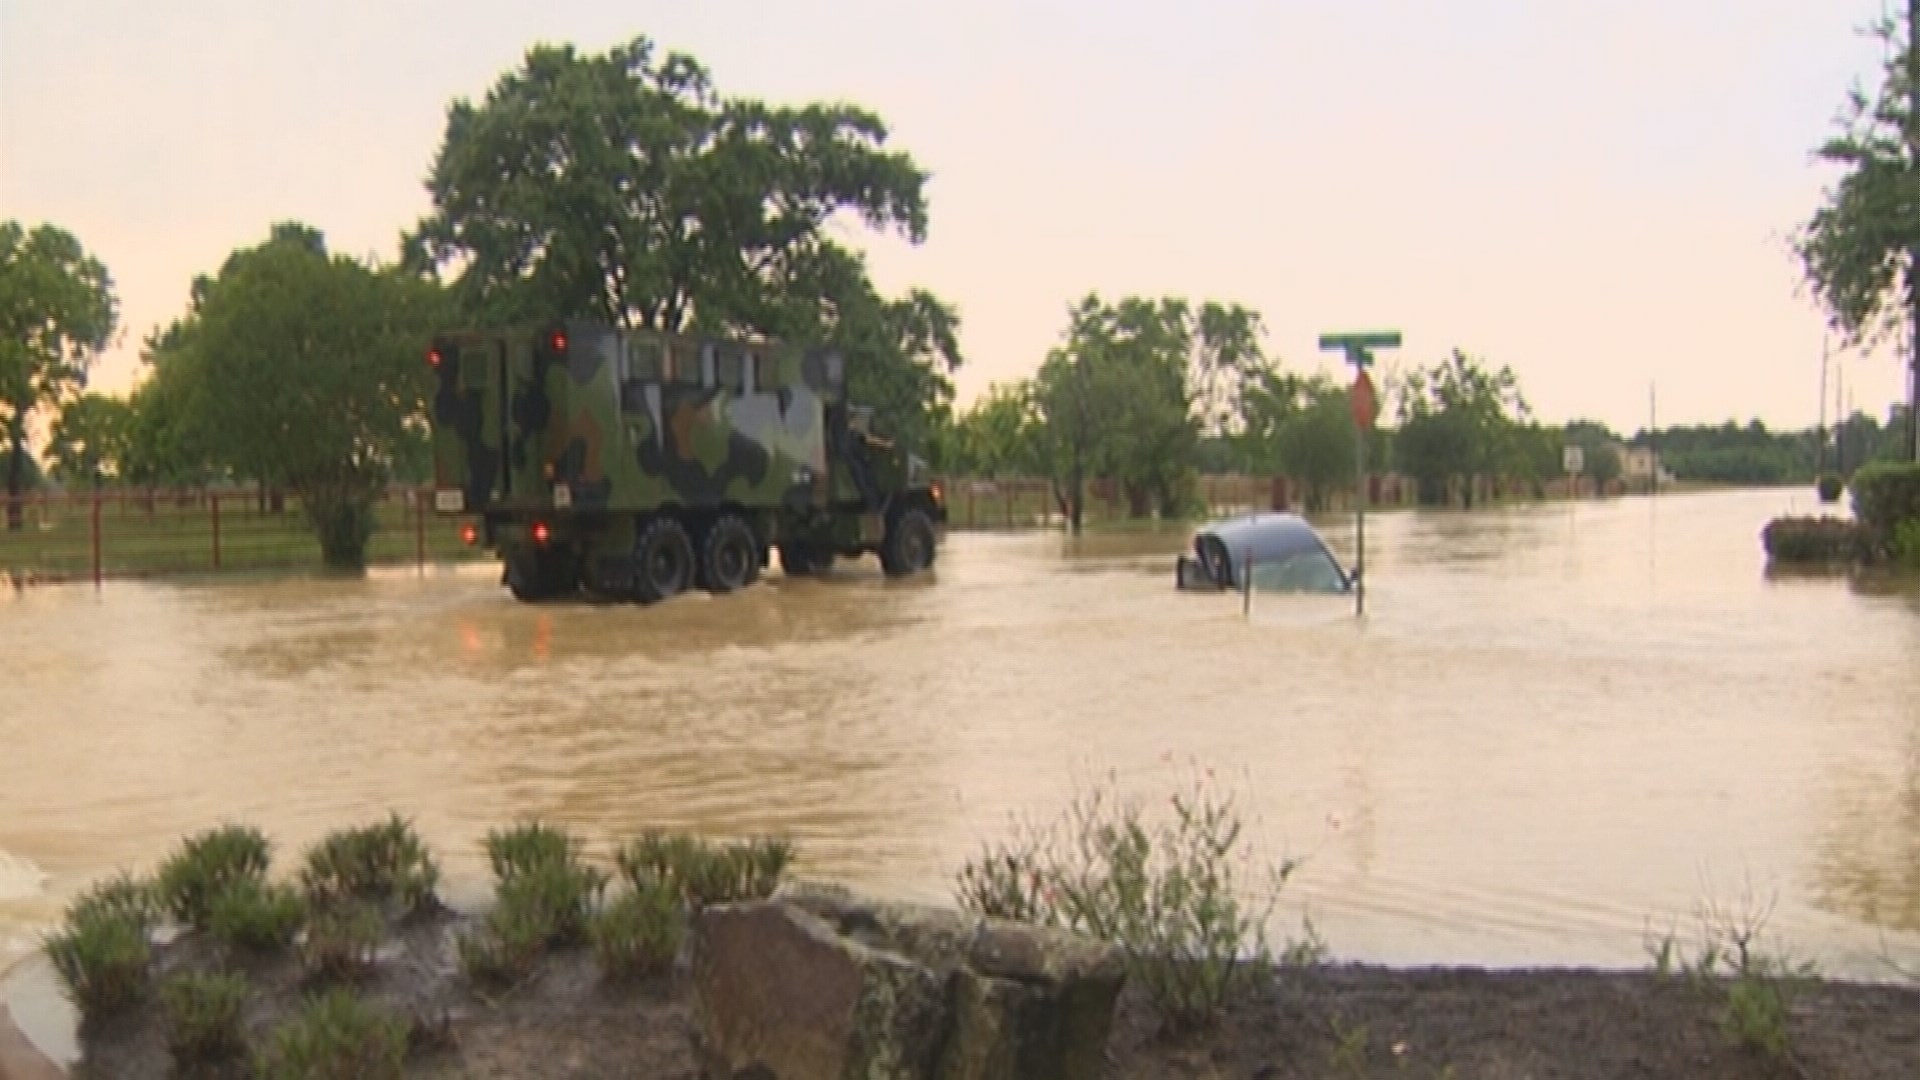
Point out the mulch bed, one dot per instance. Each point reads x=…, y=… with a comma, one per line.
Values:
x=1327, y=1022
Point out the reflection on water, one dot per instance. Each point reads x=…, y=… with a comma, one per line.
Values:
x=1555, y=723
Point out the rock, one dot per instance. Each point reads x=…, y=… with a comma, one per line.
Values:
x=819, y=984
x=776, y=988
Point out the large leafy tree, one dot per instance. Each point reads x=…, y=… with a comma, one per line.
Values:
x=1301, y=427
x=1861, y=248
x=90, y=439
x=1130, y=390
x=302, y=368
x=57, y=311
x=622, y=186
x=1461, y=419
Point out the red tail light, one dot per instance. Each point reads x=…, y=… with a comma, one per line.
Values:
x=559, y=341
x=469, y=535
x=540, y=532
x=433, y=357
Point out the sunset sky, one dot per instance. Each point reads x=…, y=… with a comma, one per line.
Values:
x=1595, y=192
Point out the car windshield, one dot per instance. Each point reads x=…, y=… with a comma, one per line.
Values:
x=1305, y=571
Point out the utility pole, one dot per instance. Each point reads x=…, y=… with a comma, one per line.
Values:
x=1820, y=448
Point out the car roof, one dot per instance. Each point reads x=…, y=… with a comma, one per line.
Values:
x=1270, y=535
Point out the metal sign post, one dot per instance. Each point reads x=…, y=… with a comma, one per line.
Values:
x=1366, y=409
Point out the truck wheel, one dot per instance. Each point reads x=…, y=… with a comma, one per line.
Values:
x=730, y=557
x=541, y=575
x=662, y=561
x=799, y=559
x=908, y=547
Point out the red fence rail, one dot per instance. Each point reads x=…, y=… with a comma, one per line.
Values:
x=131, y=533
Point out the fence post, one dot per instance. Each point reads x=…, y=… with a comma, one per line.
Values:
x=1246, y=582
x=420, y=528
x=213, y=500
x=96, y=539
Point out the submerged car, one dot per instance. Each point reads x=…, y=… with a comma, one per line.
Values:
x=1276, y=552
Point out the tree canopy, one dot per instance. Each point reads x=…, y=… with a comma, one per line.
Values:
x=57, y=311
x=623, y=186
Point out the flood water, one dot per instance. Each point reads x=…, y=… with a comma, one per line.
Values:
x=1556, y=727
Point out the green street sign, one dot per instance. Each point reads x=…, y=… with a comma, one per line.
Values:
x=1359, y=346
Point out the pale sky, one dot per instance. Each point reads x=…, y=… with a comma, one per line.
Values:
x=1596, y=192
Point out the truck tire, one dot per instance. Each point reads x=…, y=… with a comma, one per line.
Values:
x=533, y=576
x=908, y=547
x=729, y=555
x=799, y=559
x=662, y=561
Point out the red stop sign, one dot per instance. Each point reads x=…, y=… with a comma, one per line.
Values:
x=1366, y=405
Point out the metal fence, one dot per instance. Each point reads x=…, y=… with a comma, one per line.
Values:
x=130, y=533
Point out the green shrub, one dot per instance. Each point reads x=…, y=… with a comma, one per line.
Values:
x=529, y=847
x=342, y=938
x=101, y=957
x=507, y=946
x=122, y=895
x=383, y=863
x=253, y=915
x=1885, y=496
x=639, y=933
x=702, y=873
x=338, y=1036
x=207, y=864
x=1815, y=540
x=1830, y=486
x=1906, y=544
x=203, y=1017
x=1168, y=895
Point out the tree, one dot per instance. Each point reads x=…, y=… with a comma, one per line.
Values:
x=1599, y=452
x=1860, y=251
x=997, y=437
x=305, y=369
x=1301, y=427
x=57, y=311
x=619, y=188
x=1128, y=394
x=1459, y=420
x=90, y=439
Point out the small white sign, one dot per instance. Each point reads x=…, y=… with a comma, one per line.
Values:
x=449, y=501
x=1573, y=459
x=562, y=496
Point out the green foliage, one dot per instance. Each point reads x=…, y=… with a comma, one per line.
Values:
x=203, y=1015
x=639, y=934
x=121, y=896
x=101, y=956
x=1855, y=248
x=622, y=186
x=1301, y=427
x=1830, y=487
x=89, y=441
x=208, y=864
x=1906, y=544
x=1168, y=894
x=384, y=863
x=57, y=311
x=701, y=873
x=1757, y=984
x=1886, y=496
x=997, y=437
x=284, y=328
x=1459, y=419
x=338, y=1036
x=545, y=897
x=1814, y=540
x=341, y=941
x=251, y=914
x=1132, y=389
x=1731, y=453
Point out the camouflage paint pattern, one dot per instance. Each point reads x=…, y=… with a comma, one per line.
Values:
x=628, y=422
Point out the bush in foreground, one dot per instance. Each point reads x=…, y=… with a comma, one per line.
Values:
x=1830, y=486
x=338, y=1036
x=101, y=957
x=203, y=1018
x=1815, y=540
x=209, y=864
x=639, y=934
x=1167, y=894
x=385, y=863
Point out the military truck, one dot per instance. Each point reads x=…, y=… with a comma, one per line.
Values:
x=636, y=465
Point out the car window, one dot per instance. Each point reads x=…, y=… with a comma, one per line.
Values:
x=1306, y=571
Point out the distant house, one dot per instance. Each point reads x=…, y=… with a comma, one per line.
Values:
x=1638, y=465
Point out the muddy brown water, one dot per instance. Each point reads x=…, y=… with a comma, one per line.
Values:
x=1558, y=728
